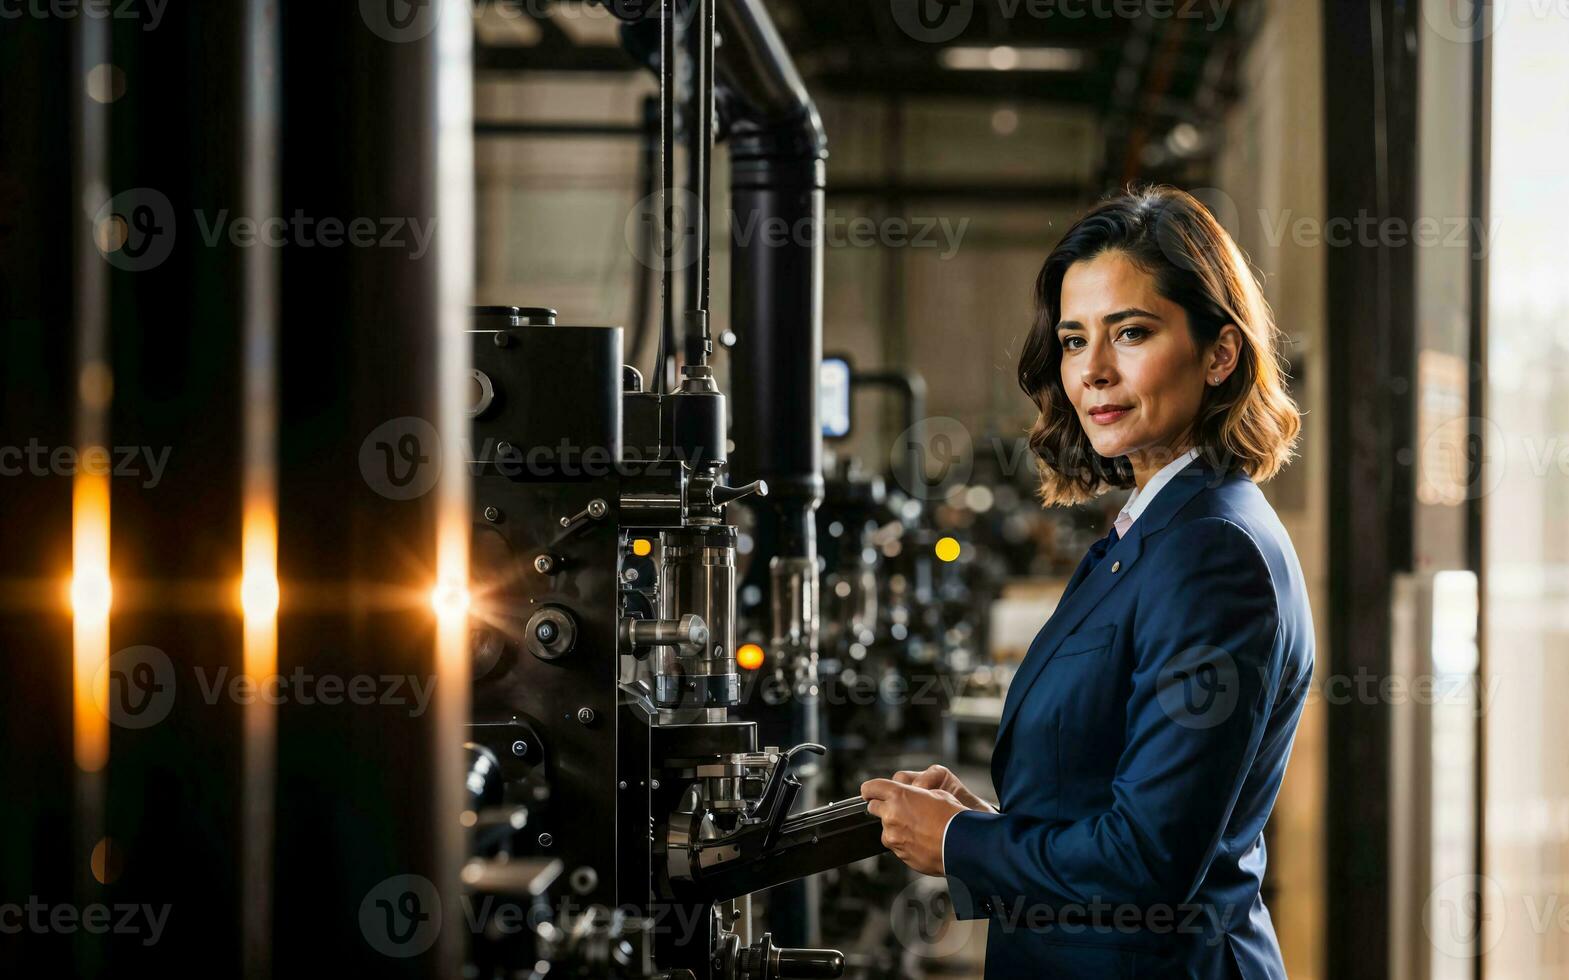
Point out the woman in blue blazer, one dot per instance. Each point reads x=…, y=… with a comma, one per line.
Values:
x=1144, y=736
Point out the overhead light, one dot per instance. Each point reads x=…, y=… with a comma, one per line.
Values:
x=1009, y=58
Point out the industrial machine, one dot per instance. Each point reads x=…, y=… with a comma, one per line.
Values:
x=620, y=813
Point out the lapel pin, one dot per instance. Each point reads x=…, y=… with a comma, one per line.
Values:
x=1114, y=566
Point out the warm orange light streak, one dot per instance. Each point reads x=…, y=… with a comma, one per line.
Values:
x=259, y=593
x=258, y=599
x=450, y=600
x=454, y=254
x=91, y=598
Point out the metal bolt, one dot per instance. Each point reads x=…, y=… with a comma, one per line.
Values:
x=503, y=339
x=546, y=631
x=653, y=784
x=585, y=715
x=622, y=784
x=520, y=747
x=503, y=449
x=544, y=565
x=545, y=840
x=597, y=508
x=492, y=514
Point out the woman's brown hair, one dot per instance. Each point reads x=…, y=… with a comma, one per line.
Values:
x=1248, y=422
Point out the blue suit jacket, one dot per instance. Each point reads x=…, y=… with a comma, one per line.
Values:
x=1141, y=747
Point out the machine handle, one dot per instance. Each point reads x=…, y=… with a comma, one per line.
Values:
x=724, y=495
x=768, y=809
x=811, y=964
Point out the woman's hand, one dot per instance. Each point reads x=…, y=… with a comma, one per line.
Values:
x=914, y=820
x=942, y=778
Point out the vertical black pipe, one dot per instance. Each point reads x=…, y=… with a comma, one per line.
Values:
x=777, y=308
x=665, y=381
x=174, y=353
x=38, y=282
x=777, y=173
x=1370, y=140
x=362, y=880
x=1476, y=554
x=696, y=345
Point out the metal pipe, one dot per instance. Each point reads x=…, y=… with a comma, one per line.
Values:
x=911, y=389
x=700, y=143
x=665, y=374
x=777, y=173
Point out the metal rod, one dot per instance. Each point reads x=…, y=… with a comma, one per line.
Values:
x=639, y=319
x=667, y=110
x=700, y=141
x=259, y=481
x=524, y=128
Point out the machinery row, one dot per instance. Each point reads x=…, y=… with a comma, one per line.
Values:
x=693, y=636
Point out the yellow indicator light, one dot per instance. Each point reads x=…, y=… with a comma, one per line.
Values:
x=749, y=656
x=947, y=549
x=641, y=547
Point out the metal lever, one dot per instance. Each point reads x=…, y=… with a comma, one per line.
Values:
x=736, y=864
x=724, y=495
x=596, y=509
x=776, y=779
x=780, y=793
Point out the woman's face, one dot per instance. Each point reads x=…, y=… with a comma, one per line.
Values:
x=1129, y=362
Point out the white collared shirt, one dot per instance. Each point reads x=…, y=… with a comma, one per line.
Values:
x=1138, y=501
x=1140, y=498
